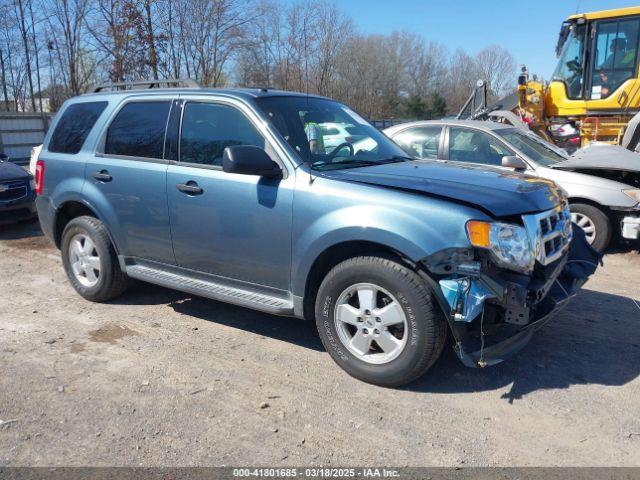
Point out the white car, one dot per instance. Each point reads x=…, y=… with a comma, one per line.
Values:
x=35, y=152
x=335, y=134
x=602, y=181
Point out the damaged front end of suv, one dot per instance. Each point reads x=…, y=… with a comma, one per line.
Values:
x=508, y=284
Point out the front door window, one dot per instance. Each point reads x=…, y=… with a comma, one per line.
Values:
x=421, y=142
x=466, y=145
x=569, y=69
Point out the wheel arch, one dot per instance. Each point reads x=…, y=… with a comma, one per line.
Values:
x=70, y=209
x=337, y=253
x=588, y=201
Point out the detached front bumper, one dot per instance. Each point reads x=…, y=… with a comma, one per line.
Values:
x=494, y=316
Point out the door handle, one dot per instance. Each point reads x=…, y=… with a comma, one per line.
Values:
x=190, y=188
x=102, y=176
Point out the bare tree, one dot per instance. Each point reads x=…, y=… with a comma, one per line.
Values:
x=462, y=76
x=20, y=16
x=213, y=31
x=497, y=67
x=67, y=20
x=150, y=39
x=3, y=68
x=115, y=32
x=303, y=45
x=36, y=52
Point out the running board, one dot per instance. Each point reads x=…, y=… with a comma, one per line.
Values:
x=216, y=291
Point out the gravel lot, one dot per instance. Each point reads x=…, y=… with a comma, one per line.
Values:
x=162, y=378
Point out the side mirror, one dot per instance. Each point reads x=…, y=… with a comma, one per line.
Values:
x=249, y=160
x=512, y=161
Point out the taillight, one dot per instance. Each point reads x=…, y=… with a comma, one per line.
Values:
x=348, y=139
x=39, y=176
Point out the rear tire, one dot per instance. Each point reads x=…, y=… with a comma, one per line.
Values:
x=358, y=338
x=595, y=224
x=90, y=261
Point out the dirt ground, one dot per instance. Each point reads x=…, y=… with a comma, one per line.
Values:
x=160, y=378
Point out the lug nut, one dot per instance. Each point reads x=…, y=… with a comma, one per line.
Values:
x=376, y=331
x=367, y=312
x=378, y=319
x=365, y=331
x=359, y=319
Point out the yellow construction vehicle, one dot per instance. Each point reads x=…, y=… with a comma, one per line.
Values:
x=594, y=92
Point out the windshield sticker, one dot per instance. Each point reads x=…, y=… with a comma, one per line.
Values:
x=596, y=92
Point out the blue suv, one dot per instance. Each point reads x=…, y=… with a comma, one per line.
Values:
x=230, y=194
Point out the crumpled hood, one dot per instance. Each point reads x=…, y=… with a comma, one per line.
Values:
x=11, y=171
x=602, y=157
x=499, y=192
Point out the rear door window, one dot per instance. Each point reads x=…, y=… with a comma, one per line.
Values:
x=208, y=128
x=138, y=130
x=421, y=142
x=74, y=126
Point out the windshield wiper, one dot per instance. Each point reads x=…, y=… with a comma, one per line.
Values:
x=362, y=162
x=353, y=162
x=398, y=158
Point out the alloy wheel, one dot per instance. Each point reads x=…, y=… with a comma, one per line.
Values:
x=371, y=323
x=84, y=260
x=586, y=224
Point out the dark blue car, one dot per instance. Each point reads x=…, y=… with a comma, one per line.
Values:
x=17, y=193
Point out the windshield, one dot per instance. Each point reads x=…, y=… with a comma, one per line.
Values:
x=309, y=126
x=569, y=68
x=533, y=147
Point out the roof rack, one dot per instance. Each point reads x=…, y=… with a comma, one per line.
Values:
x=142, y=84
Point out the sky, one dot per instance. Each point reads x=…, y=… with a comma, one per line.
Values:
x=529, y=30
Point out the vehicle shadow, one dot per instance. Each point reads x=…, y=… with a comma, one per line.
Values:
x=583, y=344
x=291, y=330
x=594, y=340
x=18, y=231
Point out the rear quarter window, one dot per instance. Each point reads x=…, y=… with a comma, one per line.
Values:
x=138, y=130
x=74, y=126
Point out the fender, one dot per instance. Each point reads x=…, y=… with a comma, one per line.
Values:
x=105, y=215
x=413, y=235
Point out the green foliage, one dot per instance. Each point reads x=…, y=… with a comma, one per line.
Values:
x=437, y=106
x=417, y=108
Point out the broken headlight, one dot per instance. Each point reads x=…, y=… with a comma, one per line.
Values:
x=509, y=244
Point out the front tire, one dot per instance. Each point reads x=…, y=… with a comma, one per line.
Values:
x=378, y=321
x=90, y=261
x=595, y=224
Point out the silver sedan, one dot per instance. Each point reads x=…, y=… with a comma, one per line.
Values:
x=603, y=202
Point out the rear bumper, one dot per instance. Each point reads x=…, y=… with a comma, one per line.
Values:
x=505, y=325
x=631, y=227
x=16, y=211
x=46, y=215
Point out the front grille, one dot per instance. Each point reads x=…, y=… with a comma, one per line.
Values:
x=550, y=233
x=13, y=190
